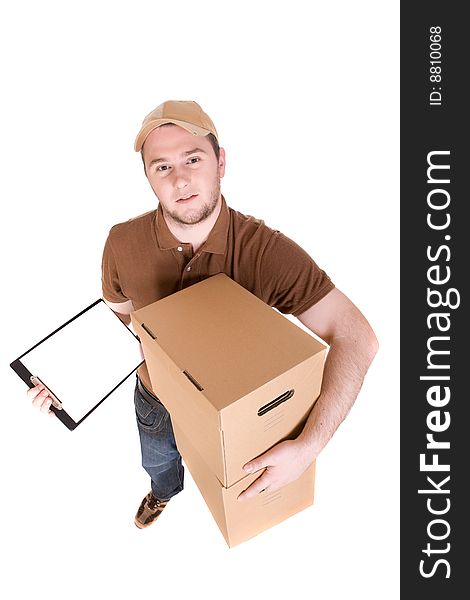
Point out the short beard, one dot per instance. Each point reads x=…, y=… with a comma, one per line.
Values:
x=204, y=212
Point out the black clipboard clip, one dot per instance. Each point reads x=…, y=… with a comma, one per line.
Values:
x=55, y=401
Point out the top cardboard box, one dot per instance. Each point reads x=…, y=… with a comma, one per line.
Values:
x=235, y=374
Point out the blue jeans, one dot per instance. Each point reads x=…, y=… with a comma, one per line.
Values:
x=160, y=456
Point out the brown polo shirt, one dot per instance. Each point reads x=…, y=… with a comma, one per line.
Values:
x=144, y=262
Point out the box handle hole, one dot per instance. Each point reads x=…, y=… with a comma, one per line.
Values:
x=149, y=331
x=279, y=400
x=194, y=381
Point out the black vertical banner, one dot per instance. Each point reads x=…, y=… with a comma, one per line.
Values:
x=434, y=259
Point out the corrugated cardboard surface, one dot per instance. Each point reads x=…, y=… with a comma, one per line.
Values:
x=241, y=520
x=226, y=338
x=216, y=355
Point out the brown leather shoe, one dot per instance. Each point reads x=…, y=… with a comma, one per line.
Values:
x=149, y=510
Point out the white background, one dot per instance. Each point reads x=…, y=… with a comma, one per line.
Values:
x=305, y=99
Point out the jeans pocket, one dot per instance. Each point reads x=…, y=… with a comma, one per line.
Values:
x=149, y=417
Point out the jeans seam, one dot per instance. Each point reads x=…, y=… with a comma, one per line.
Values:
x=165, y=428
x=156, y=426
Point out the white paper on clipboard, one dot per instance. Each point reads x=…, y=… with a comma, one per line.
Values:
x=85, y=360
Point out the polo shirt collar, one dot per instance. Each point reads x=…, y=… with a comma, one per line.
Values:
x=216, y=243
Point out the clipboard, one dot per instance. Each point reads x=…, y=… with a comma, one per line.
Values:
x=94, y=348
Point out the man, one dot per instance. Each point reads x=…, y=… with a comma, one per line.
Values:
x=193, y=235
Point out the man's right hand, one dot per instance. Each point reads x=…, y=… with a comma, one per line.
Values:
x=40, y=398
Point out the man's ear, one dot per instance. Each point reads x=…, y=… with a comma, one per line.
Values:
x=143, y=161
x=222, y=162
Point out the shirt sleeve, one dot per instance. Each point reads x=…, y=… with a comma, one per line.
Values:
x=110, y=275
x=291, y=281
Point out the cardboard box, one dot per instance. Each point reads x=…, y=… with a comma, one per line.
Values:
x=240, y=520
x=235, y=374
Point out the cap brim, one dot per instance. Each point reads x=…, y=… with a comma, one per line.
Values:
x=151, y=125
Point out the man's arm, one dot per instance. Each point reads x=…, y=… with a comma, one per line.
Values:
x=353, y=346
x=122, y=309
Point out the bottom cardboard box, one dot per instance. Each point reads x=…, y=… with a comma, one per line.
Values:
x=240, y=520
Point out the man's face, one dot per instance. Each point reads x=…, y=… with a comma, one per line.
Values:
x=184, y=173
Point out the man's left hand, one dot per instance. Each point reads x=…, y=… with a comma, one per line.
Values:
x=284, y=463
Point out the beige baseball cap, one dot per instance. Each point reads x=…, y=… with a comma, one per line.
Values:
x=185, y=113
